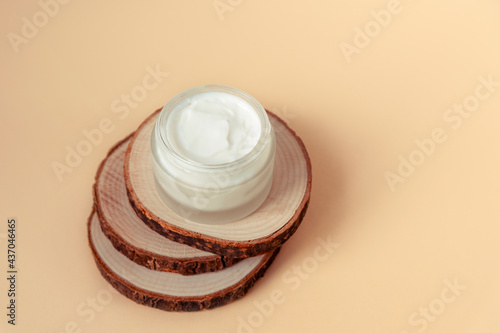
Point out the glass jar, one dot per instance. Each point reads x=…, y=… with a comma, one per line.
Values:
x=231, y=182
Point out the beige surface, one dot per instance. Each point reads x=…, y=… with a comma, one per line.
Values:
x=395, y=253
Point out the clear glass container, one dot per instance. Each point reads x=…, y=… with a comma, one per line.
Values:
x=212, y=193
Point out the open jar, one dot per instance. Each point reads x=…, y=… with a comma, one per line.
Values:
x=213, y=154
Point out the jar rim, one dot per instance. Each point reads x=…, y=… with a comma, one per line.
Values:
x=266, y=128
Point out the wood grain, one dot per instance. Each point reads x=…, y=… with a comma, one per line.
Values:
x=131, y=236
x=171, y=291
x=264, y=230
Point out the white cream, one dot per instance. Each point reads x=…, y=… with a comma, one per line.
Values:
x=213, y=128
x=213, y=152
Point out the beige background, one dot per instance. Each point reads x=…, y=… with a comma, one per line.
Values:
x=395, y=249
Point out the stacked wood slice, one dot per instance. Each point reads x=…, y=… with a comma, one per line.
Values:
x=160, y=259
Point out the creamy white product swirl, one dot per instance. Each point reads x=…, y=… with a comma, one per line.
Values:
x=213, y=128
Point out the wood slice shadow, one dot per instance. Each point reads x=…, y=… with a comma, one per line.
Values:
x=266, y=229
x=171, y=291
x=131, y=236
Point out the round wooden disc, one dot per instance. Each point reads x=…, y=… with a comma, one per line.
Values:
x=172, y=291
x=264, y=230
x=131, y=236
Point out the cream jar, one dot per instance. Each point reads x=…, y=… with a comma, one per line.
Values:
x=213, y=154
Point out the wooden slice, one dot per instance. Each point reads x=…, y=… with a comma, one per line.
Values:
x=131, y=236
x=172, y=291
x=262, y=231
